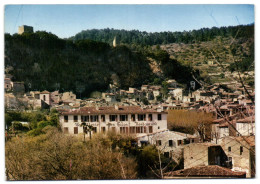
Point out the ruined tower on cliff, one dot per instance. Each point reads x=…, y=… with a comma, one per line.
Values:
x=25, y=29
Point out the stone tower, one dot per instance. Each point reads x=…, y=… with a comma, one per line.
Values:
x=25, y=29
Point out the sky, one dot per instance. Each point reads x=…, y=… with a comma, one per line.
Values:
x=67, y=20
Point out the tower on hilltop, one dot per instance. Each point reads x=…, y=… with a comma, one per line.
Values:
x=25, y=29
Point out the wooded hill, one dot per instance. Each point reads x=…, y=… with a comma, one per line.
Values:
x=87, y=62
x=47, y=62
x=157, y=38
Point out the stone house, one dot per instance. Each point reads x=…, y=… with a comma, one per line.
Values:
x=45, y=97
x=176, y=93
x=246, y=126
x=68, y=96
x=10, y=101
x=8, y=84
x=241, y=153
x=109, y=97
x=172, y=83
x=169, y=142
x=203, y=154
x=55, y=98
x=18, y=88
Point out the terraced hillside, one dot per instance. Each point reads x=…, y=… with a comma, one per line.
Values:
x=203, y=55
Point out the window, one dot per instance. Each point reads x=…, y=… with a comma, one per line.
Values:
x=159, y=117
x=141, y=117
x=150, y=117
x=75, y=118
x=75, y=130
x=85, y=118
x=113, y=117
x=145, y=130
x=150, y=129
x=44, y=98
x=158, y=143
x=94, y=118
x=166, y=154
x=170, y=143
x=132, y=130
x=241, y=150
x=133, y=117
x=66, y=118
x=229, y=148
x=123, y=117
x=122, y=130
x=103, y=119
x=158, y=127
x=66, y=130
x=138, y=130
x=94, y=129
x=229, y=162
x=179, y=142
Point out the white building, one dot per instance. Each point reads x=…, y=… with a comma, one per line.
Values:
x=120, y=119
x=168, y=142
x=246, y=126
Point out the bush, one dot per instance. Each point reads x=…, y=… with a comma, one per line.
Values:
x=35, y=132
x=43, y=124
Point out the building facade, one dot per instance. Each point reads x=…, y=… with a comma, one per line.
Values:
x=119, y=119
x=241, y=153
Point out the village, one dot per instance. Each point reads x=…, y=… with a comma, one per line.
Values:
x=224, y=148
x=129, y=92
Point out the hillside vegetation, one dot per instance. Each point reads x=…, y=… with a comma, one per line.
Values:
x=87, y=62
x=145, y=38
x=47, y=62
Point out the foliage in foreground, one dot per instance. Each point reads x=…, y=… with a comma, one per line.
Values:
x=188, y=121
x=55, y=156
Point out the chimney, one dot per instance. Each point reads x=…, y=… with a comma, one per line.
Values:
x=116, y=107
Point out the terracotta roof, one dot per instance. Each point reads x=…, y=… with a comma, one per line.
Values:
x=218, y=120
x=207, y=144
x=206, y=171
x=111, y=110
x=45, y=92
x=249, y=139
x=224, y=124
x=247, y=120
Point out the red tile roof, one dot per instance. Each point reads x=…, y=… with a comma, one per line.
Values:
x=247, y=120
x=45, y=92
x=111, y=110
x=206, y=171
x=249, y=139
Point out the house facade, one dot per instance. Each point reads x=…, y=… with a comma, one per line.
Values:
x=119, y=119
x=169, y=142
x=241, y=153
x=203, y=154
x=246, y=126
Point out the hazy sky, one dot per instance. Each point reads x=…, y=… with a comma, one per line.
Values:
x=67, y=20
